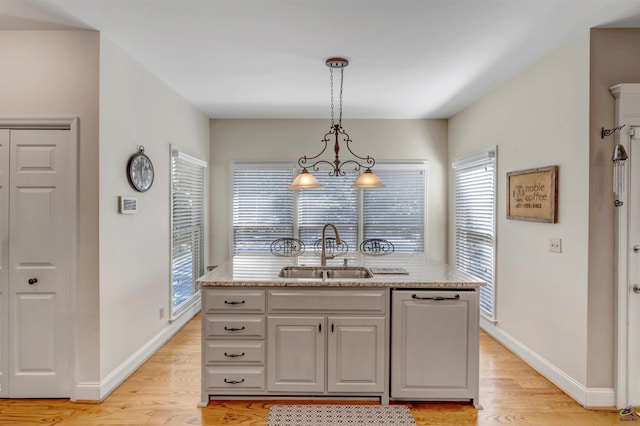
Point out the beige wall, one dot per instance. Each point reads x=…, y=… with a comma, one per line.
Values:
x=136, y=108
x=539, y=118
x=55, y=74
x=289, y=139
x=615, y=58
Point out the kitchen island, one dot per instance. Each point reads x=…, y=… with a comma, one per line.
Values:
x=406, y=328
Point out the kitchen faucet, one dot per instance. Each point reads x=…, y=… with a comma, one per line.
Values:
x=324, y=257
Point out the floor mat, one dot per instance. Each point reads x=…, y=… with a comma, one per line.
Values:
x=340, y=415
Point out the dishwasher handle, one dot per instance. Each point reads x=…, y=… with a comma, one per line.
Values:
x=438, y=298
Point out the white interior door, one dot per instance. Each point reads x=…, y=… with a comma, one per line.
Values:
x=40, y=198
x=633, y=288
x=4, y=263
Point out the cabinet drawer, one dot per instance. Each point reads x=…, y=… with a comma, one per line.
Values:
x=234, y=351
x=328, y=301
x=230, y=378
x=234, y=326
x=244, y=301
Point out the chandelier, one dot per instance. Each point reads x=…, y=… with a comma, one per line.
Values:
x=336, y=134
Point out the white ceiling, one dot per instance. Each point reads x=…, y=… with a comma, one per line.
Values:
x=265, y=58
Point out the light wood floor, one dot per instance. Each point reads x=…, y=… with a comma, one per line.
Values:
x=165, y=391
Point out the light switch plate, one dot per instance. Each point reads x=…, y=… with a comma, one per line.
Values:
x=555, y=245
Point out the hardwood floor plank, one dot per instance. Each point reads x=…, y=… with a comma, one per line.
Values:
x=166, y=391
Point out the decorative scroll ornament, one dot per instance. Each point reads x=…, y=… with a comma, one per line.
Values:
x=330, y=247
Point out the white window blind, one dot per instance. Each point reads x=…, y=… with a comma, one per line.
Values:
x=337, y=203
x=397, y=213
x=475, y=192
x=187, y=227
x=262, y=205
x=265, y=210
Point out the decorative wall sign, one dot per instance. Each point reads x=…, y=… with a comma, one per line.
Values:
x=533, y=194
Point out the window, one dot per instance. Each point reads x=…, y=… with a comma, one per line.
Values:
x=187, y=228
x=264, y=209
x=337, y=203
x=262, y=205
x=397, y=213
x=475, y=216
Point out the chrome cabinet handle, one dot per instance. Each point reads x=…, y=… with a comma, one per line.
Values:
x=234, y=328
x=636, y=248
x=438, y=298
x=32, y=281
x=226, y=302
x=233, y=355
x=636, y=288
x=233, y=382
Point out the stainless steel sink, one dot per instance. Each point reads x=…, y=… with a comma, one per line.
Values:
x=320, y=272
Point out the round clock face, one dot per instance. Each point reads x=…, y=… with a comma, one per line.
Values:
x=140, y=172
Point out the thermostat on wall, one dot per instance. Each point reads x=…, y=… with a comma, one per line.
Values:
x=127, y=205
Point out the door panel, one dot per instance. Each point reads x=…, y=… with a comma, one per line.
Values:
x=33, y=224
x=4, y=263
x=356, y=354
x=296, y=354
x=34, y=349
x=39, y=262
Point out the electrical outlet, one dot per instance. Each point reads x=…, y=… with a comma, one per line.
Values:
x=161, y=313
x=555, y=245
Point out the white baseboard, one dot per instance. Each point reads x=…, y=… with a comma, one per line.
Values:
x=587, y=397
x=94, y=391
x=87, y=391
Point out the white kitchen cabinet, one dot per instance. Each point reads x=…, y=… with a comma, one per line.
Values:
x=296, y=354
x=434, y=345
x=338, y=342
x=295, y=342
x=327, y=342
x=233, y=342
x=352, y=346
x=356, y=354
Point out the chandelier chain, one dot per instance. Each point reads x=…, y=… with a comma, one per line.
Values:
x=341, y=80
x=331, y=84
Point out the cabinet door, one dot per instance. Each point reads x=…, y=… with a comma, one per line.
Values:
x=434, y=344
x=355, y=354
x=296, y=353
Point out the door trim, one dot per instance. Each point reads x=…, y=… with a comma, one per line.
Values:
x=631, y=118
x=73, y=125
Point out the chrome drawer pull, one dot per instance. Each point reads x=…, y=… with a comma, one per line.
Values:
x=233, y=355
x=234, y=328
x=416, y=297
x=226, y=302
x=233, y=382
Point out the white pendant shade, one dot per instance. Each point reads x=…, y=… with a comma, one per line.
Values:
x=305, y=180
x=368, y=180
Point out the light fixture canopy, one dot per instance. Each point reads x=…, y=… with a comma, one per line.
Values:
x=336, y=134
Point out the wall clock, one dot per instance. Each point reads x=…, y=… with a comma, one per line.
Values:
x=140, y=171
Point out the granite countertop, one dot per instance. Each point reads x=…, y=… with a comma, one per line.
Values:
x=261, y=270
